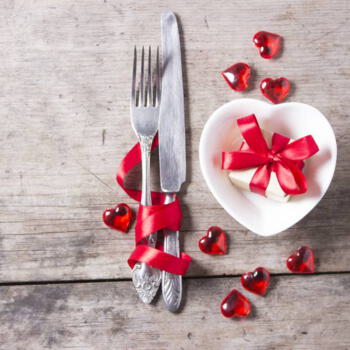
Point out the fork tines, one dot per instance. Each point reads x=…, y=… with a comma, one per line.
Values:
x=146, y=94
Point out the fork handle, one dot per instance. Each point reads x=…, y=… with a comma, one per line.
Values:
x=171, y=283
x=146, y=145
x=146, y=278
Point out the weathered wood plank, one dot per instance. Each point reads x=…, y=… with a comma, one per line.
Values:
x=64, y=101
x=300, y=313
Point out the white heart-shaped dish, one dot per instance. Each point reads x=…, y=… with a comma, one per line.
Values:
x=263, y=216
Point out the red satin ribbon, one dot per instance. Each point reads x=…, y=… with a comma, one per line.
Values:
x=285, y=159
x=151, y=219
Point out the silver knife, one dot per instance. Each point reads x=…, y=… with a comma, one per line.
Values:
x=172, y=144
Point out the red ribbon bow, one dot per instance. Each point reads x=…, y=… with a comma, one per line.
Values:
x=151, y=219
x=284, y=158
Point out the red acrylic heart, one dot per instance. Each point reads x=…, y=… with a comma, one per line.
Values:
x=118, y=218
x=214, y=242
x=235, y=305
x=268, y=43
x=257, y=281
x=276, y=90
x=237, y=76
x=302, y=261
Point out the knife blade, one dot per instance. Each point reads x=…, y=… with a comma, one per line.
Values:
x=172, y=144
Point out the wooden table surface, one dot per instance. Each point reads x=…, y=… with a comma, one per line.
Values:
x=64, y=107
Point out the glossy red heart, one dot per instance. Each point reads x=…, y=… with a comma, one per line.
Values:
x=235, y=305
x=237, y=76
x=276, y=90
x=268, y=43
x=118, y=218
x=214, y=242
x=257, y=281
x=302, y=261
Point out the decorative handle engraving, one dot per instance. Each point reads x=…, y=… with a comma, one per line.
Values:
x=171, y=283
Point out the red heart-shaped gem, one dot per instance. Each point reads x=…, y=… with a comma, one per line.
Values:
x=235, y=305
x=268, y=43
x=118, y=218
x=214, y=242
x=257, y=281
x=302, y=261
x=237, y=76
x=276, y=90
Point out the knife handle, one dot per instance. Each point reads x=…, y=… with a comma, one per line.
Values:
x=171, y=283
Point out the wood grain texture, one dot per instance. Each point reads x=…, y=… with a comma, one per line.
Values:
x=64, y=108
x=299, y=312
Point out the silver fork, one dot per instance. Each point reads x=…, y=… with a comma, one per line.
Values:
x=145, y=102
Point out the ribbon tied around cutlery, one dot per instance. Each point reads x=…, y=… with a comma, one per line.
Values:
x=151, y=219
x=284, y=158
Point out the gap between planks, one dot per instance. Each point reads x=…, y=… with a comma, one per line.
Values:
x=108, y=280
